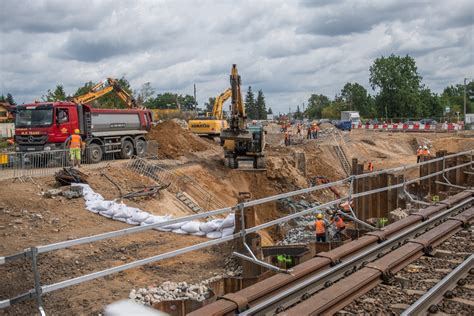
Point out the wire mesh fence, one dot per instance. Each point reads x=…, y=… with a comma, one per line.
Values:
x=41, y=163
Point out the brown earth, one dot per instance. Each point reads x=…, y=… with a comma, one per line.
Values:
x=27, y=218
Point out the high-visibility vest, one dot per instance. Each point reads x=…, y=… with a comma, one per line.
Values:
x=418, y=152
x=75, y=141
x=425, y=152
x=340, y=223
x=320, y=227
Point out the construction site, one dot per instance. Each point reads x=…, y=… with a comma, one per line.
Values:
x=179, y=231
x=157, y=178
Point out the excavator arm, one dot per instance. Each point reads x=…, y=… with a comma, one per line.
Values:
x=217, y=110
x=237, y=121
x=104, y=87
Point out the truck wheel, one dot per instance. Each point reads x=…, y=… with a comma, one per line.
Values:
x=140, y=147
x=94, y=154
x=127, y=150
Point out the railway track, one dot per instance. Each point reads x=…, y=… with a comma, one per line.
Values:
x=312, y=288
x=336, y=294
x=441, y=282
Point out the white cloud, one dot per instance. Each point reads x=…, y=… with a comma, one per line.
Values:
x=288, y=49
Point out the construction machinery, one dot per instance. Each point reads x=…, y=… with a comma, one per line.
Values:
x=212, y=123
x=241, y=142
x=104, y=87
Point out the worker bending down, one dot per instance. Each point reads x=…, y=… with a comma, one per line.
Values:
x=320, y=227
x=75, y=144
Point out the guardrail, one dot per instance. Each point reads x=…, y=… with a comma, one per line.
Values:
x=33, y=252
x=449, y=127
x=41, y=163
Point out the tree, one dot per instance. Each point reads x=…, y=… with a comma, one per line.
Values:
x=398, y=82
x=57, y=95
x=453, y=97
x=269, y=111
x=250, y=106
x=316, y=103
x=298, y=114
x=144, y=94
x=209, y=105
x=9, y=99
x=356, y=98
x=260, y=106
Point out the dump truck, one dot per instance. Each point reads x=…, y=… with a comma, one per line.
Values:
x=352, y=116
x=45, y=126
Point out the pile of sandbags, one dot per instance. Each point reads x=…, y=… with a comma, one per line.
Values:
x=95, y=203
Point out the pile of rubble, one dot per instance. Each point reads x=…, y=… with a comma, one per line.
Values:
x=173, y=291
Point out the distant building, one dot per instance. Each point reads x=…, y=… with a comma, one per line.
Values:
x=6, y=112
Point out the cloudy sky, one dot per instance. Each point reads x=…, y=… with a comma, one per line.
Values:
x=289, y=49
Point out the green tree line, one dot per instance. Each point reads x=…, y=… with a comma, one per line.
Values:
x=398, y=93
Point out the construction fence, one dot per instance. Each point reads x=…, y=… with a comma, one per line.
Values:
x=42, y=163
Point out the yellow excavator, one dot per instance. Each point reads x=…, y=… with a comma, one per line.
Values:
x=213, y=123
x=242, y=142
x=104, y=87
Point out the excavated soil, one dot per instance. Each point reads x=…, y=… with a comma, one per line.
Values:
x=174, y=141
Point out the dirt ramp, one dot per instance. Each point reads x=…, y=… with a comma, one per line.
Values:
x=175, y=141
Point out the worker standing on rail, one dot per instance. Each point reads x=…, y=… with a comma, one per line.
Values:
x=75, y=144
x=320, y=227
x=419, y=151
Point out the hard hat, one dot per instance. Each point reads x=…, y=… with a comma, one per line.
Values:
x=319, y=216
x=77, y=131
x=425, y=147
x=420, y=147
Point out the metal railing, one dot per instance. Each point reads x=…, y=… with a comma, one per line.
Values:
x=42, y=163
x=33, y=252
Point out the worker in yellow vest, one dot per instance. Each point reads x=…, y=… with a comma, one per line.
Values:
x=75, y=145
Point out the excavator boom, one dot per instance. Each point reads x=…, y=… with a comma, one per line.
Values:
x=104, y=87
x=217, y=110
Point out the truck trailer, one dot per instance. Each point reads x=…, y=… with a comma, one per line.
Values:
x=352, y=116
x=45, y=126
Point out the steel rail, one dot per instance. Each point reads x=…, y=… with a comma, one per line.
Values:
x=318, y=280
x=435, y=294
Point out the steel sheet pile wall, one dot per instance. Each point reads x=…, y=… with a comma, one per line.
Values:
x=380, y=204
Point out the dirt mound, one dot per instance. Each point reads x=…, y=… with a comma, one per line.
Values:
x=325, y=125
x=283, y=169
x=174, y=141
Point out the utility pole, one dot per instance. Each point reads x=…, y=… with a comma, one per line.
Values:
x=195, y=101
x=465, y=79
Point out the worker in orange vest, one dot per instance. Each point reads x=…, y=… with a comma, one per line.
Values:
x=320, y=227
x=370, y=166
x=425, y=152
x=419, y=151
x=337, y=220
x=287, y=138
x=75, y=144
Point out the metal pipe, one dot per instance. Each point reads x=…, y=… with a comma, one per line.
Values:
x=431, y=297
x=356, y=220
x=352, y=262
x=412, y=199
x=262, y=263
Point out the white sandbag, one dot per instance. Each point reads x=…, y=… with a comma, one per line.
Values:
x=191, y=227
x=140, y=216
x=217, y=223
x=180, y=231
x=208, y=227
x=228, y=221
x=227, y=231
x=162, y=229
x=199, y=233
x=175, y=226
x=131, y=222
x=214, y=235
x=122, y=212
x=99, y=205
